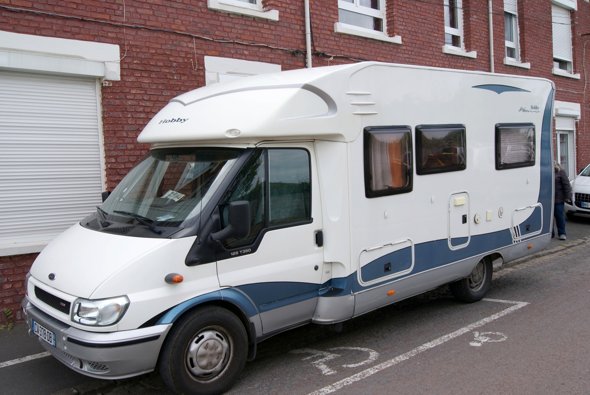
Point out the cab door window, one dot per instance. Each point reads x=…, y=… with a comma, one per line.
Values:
x=277, y=185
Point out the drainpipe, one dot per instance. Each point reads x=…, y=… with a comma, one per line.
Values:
x=491, y=22
x=307, y=35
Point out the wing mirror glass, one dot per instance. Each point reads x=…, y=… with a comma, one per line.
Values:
x=238, y=222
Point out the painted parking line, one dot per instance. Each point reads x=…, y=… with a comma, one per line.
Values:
x=424, y=347
x=28, y=358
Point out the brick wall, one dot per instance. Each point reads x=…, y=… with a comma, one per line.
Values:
x=13, y=270
x=163, y=44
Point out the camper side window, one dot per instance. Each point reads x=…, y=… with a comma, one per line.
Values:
x=515, y=146
x=388, y=160
x=277, y=185
x=440, y=148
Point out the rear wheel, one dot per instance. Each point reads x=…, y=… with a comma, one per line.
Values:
x=205, y=352
x=474, y=287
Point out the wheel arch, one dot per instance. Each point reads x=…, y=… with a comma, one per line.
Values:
x=229, y=299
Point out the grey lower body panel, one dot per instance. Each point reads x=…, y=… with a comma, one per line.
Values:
x=337, y=309
x=113, y=355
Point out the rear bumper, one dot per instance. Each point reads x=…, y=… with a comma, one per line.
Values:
x=113, y=355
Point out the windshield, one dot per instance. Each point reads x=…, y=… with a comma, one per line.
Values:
x=586, y=172
x=165, y=191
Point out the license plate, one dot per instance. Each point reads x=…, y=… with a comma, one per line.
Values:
x=585, y=204
x=43, y=333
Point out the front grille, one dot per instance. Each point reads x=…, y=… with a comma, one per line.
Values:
x=583, y=200
x=52, y=300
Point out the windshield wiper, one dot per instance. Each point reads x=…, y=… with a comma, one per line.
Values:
x=148, y=222
x=102, y=217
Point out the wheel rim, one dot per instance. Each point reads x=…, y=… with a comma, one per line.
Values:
x=208, y=354
x=477, y=278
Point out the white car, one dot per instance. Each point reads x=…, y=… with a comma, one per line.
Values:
x=581, y=194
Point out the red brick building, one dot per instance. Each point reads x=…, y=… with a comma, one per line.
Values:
x=80, y=78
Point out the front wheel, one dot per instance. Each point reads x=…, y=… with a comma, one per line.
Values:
x=205, y=352
x=474, y=287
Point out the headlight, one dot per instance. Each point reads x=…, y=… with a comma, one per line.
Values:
x=101, y=312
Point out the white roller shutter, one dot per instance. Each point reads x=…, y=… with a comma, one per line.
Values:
x=562, y=33
x=511, y=6
x=50, y=157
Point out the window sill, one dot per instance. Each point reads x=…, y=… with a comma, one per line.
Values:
x=344, y=28
x=563, y=73
x=234, y=8
x=449, y=50
x=21, y=248
x=516, y=63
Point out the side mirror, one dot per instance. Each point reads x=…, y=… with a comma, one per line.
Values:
x=105, y=195
x=238, y=222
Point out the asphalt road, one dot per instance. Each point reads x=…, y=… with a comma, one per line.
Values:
x=529, y=336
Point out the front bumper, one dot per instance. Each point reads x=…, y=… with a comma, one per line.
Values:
x=114, y=355
x=576, y=209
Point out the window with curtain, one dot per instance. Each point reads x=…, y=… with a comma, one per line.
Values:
x=515, y=146
x=388, y=160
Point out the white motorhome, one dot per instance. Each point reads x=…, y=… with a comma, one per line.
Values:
x=307, y=196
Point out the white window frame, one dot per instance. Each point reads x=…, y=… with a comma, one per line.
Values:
x=454, y=31
x=571, y=156
x=563, y=6
x=566, y=116
x=243, y=8
x=217, y=68
x=511, y=7
x=458, y=32
x=346, y=28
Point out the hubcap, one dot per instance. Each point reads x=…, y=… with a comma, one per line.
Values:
x=476, y=279
x=207, y=354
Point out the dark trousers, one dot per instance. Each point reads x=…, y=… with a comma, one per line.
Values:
x=559, y=212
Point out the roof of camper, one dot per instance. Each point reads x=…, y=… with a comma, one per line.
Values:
x=304, y=103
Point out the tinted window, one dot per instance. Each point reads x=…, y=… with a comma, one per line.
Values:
x=277, y=185
x=515, y=146
x=440, y=148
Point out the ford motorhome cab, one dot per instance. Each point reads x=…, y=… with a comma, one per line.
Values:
x=308, y=196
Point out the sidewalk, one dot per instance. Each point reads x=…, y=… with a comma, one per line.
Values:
x=578, y=232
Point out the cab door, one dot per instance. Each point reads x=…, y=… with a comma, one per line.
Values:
x=278, y=264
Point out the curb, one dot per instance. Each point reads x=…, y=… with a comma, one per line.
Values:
x=548, y=251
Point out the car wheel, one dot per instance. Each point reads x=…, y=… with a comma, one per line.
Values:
x=477, y=285
x=205, y=352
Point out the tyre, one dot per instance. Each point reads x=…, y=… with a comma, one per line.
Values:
x=204, y=353
x=477, y=285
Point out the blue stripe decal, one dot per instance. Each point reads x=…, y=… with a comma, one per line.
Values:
x=269, y=296
x=499, y=89
x=231, y=295
x=547, y=183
